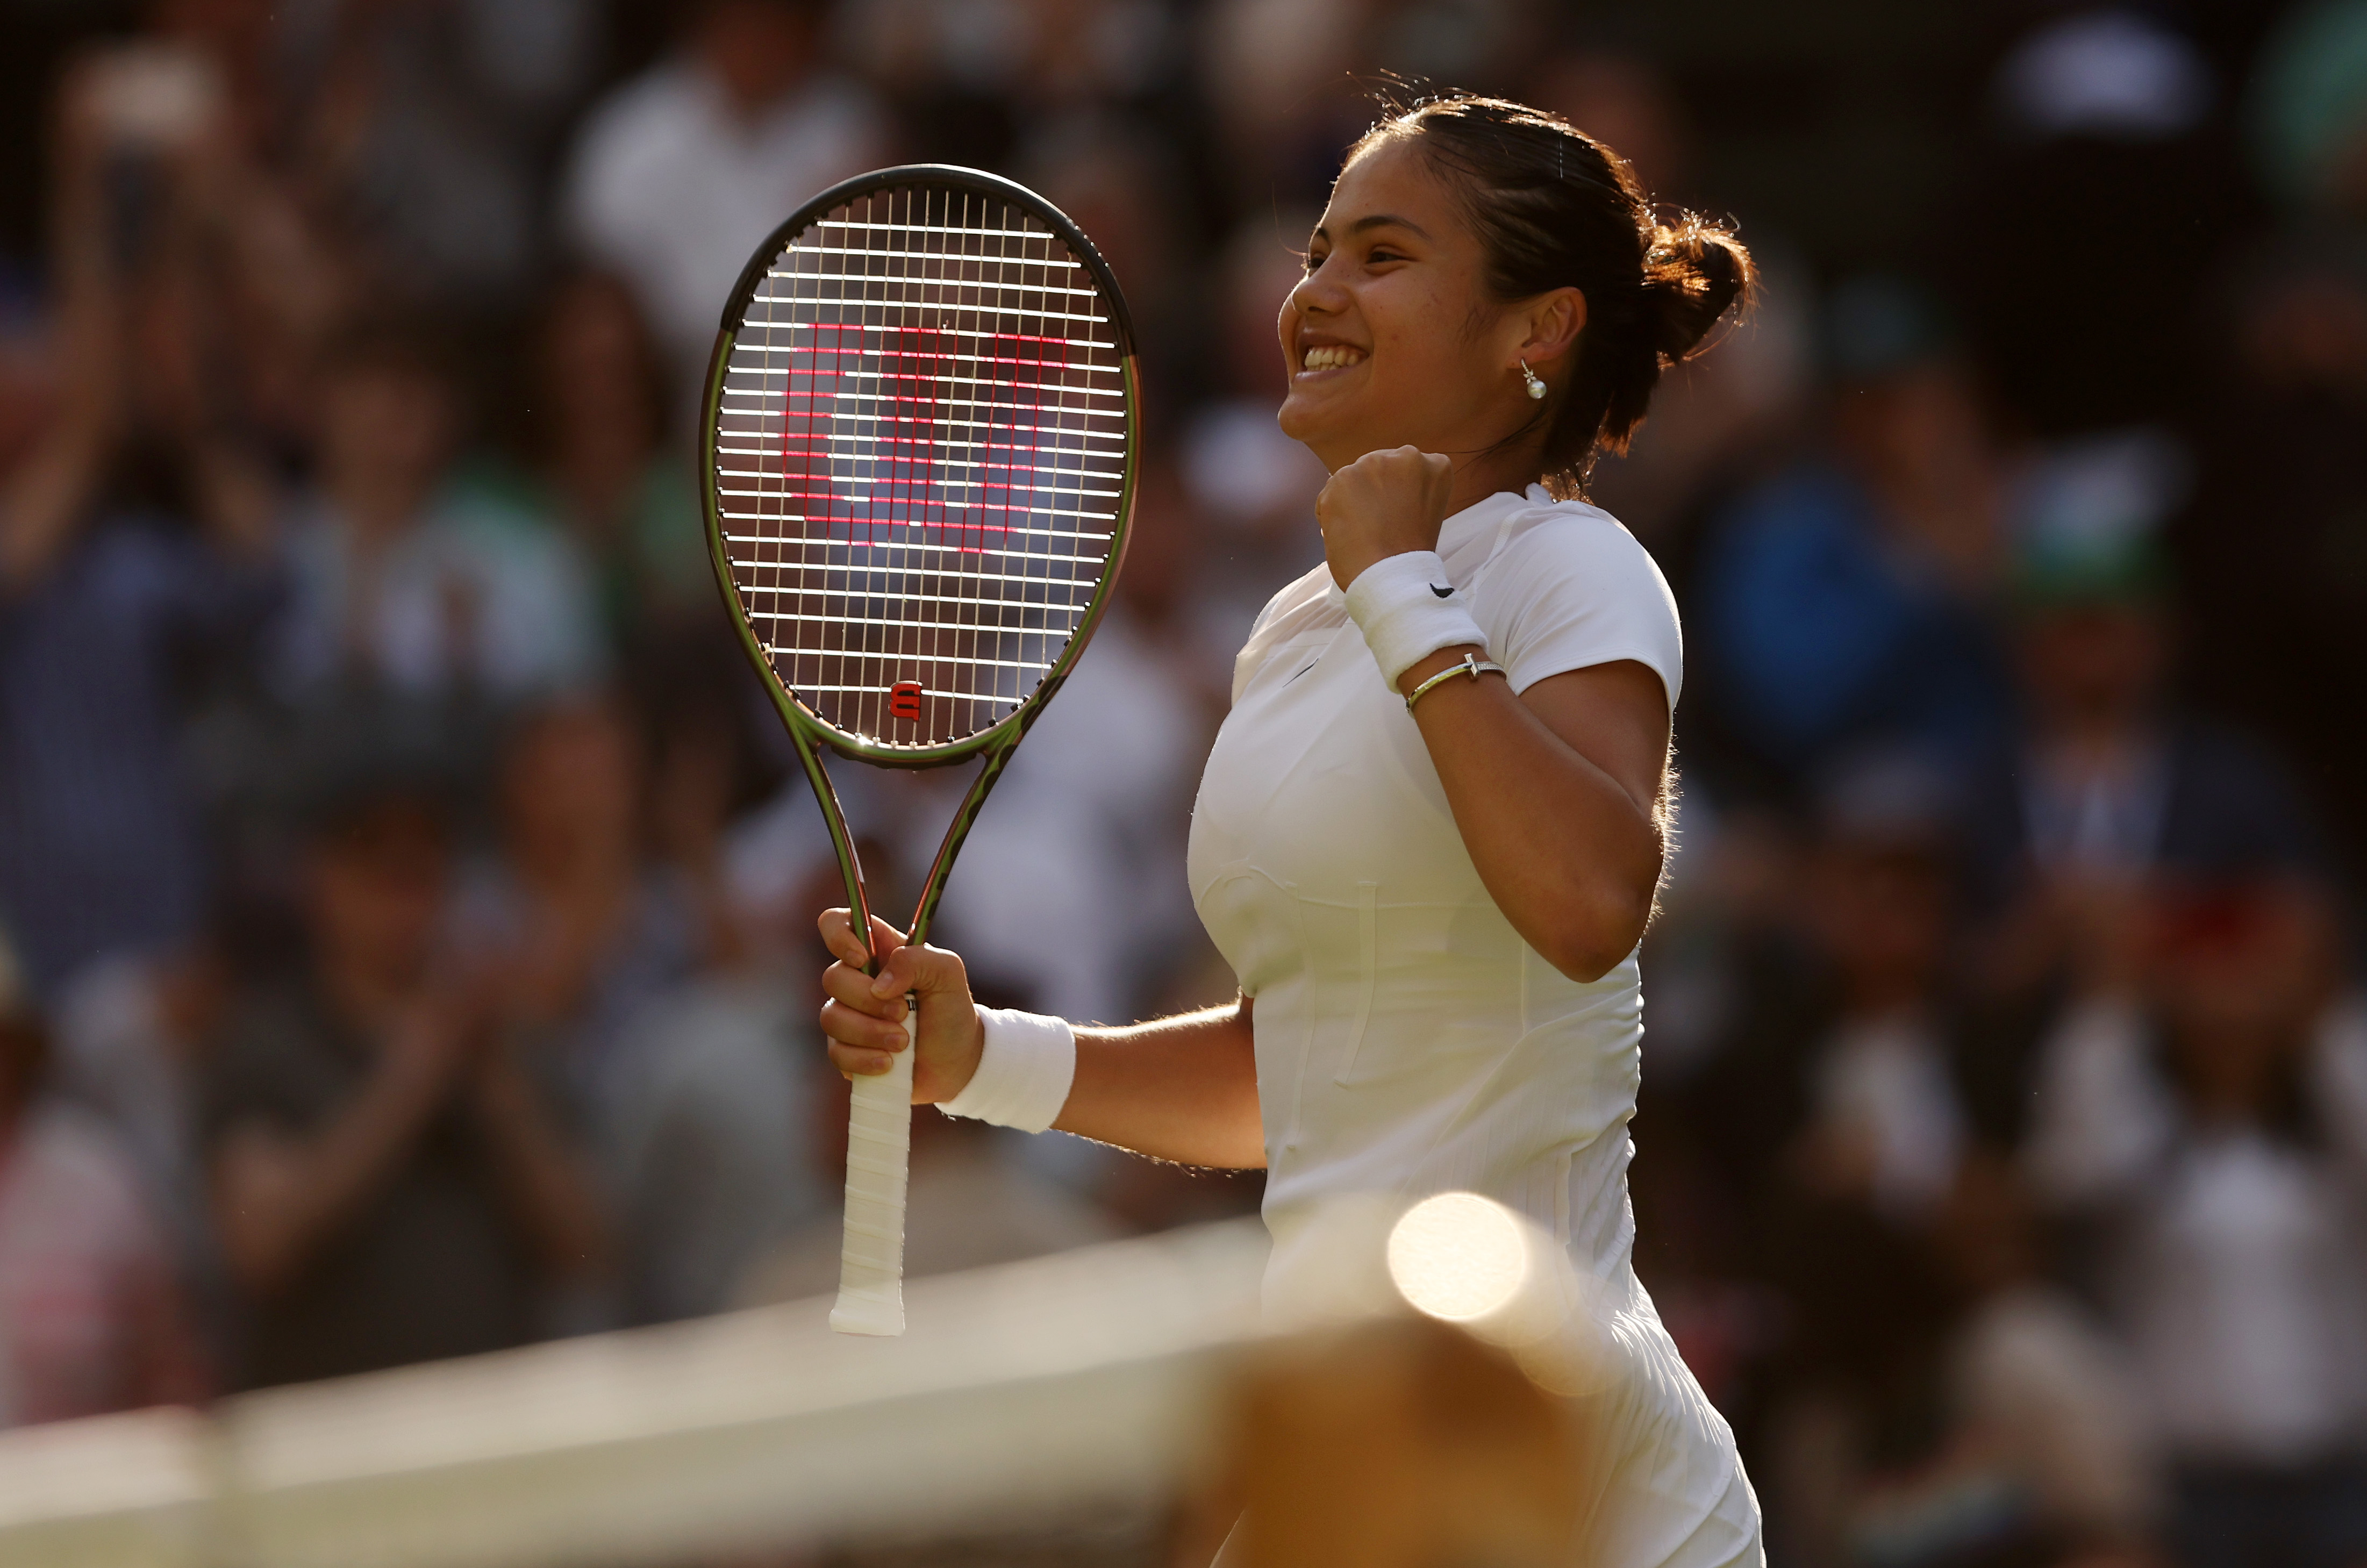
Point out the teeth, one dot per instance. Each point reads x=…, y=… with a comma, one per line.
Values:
x=1330, y=356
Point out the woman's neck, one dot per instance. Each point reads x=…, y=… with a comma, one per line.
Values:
x=1484, y=474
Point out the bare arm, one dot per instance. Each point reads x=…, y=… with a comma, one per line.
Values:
x=46, y=499
x=1556, y=791
x=278, y=1198
x=543, y=1181
x=48, y=496
x=1556, y=794
x=1183, y=1088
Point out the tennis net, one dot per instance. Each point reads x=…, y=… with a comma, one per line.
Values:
x=1047, y=1412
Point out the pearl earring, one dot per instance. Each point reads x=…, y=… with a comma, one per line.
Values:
x=1536, y=387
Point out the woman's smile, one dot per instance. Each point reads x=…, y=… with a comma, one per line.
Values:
x=1391, y=338
x=1317, y=359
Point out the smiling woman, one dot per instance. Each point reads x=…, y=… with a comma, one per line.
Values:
x=1537, y=239
x=1430, y=830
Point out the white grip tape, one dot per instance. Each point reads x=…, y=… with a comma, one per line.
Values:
x=878, y=1168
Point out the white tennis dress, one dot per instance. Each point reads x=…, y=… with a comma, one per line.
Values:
x=1408, y=1041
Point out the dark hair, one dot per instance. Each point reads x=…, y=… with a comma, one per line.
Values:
x=1554, y=208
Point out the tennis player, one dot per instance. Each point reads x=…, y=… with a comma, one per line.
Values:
x=1430, y=833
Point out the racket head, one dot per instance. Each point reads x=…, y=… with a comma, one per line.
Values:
x=919, y=442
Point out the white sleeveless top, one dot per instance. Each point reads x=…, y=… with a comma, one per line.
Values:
x=1408, y=1041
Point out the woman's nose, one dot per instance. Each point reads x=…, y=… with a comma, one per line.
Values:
x=1313, y=294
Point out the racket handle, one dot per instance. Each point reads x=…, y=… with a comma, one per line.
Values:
x=878, y=1166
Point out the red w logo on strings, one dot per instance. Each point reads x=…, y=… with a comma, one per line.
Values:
x=913, y=436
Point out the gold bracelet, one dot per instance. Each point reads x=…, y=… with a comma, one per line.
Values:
x=1471, y=664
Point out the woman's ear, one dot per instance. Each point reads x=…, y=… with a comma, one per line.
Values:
x=1553, y=322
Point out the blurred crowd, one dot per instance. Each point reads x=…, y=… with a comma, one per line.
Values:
x=408, y=907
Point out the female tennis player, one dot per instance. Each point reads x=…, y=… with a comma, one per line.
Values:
x=1429, y=833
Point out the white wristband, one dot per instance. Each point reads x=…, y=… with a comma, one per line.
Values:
x=1408, y=609
x=1024, y=1073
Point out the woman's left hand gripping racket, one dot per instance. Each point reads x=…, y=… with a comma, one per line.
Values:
x=920, y=432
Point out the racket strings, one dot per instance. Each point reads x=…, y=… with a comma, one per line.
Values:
x=920, y=460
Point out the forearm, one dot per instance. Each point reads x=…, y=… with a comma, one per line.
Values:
x=235, y=496
x=544, y=1182
x=1568, y=853
x=1183, y=1088
x=281, y=1199
x=43, y=502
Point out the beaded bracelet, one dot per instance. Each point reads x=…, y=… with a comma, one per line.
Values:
x=1470, y=664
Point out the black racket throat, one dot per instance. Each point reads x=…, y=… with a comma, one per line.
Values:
x=849, y=854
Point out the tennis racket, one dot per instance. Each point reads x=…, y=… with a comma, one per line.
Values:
x=920, y=429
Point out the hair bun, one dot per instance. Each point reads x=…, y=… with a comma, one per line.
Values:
x=1695, y=272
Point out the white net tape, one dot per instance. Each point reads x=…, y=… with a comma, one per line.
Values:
x=920, y=458
x=1050, y=1390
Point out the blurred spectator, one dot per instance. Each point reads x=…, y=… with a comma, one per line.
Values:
x=172, y=141
x=134, y=1039
x=2109, y=781
x=403, y=580
x=2272, y=559
x=424, y=128
x=980, y=78
x=1124, y=184
x=2035, y=1452
x=391, y=1182
x=2308, y=106
x=1884, y=1124
x=92, y=1313
x=1254, y=486
x=1835, y=1116
x=614, y=975
x=2205, y=1107
x=714, y=1141
x=678, y=176
x=584, y=931
x=1276, y=73
x=1292, y=80
x=604, y=470
x=1851, y=1068
x=2108, y=144
x=1623, y=101
x=1848, y=597
x=115, y=613
x=1717, y=414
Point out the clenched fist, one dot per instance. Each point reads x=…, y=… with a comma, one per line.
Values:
x=1383, y=505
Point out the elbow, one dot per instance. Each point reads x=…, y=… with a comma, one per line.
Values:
x=1595, y=935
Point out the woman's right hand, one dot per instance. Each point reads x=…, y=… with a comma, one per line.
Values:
x=864, y=1018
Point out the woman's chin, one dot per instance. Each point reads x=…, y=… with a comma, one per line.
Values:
x=1306, y=421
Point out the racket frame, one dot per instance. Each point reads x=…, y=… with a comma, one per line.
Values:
x=809, y=733
x=813, y=735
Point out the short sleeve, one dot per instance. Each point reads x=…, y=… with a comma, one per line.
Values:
x=1572, y=589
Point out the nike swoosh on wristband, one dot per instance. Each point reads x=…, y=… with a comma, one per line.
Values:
x=1442, y=592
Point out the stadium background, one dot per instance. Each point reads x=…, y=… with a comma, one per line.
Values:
x=2004, y=1125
